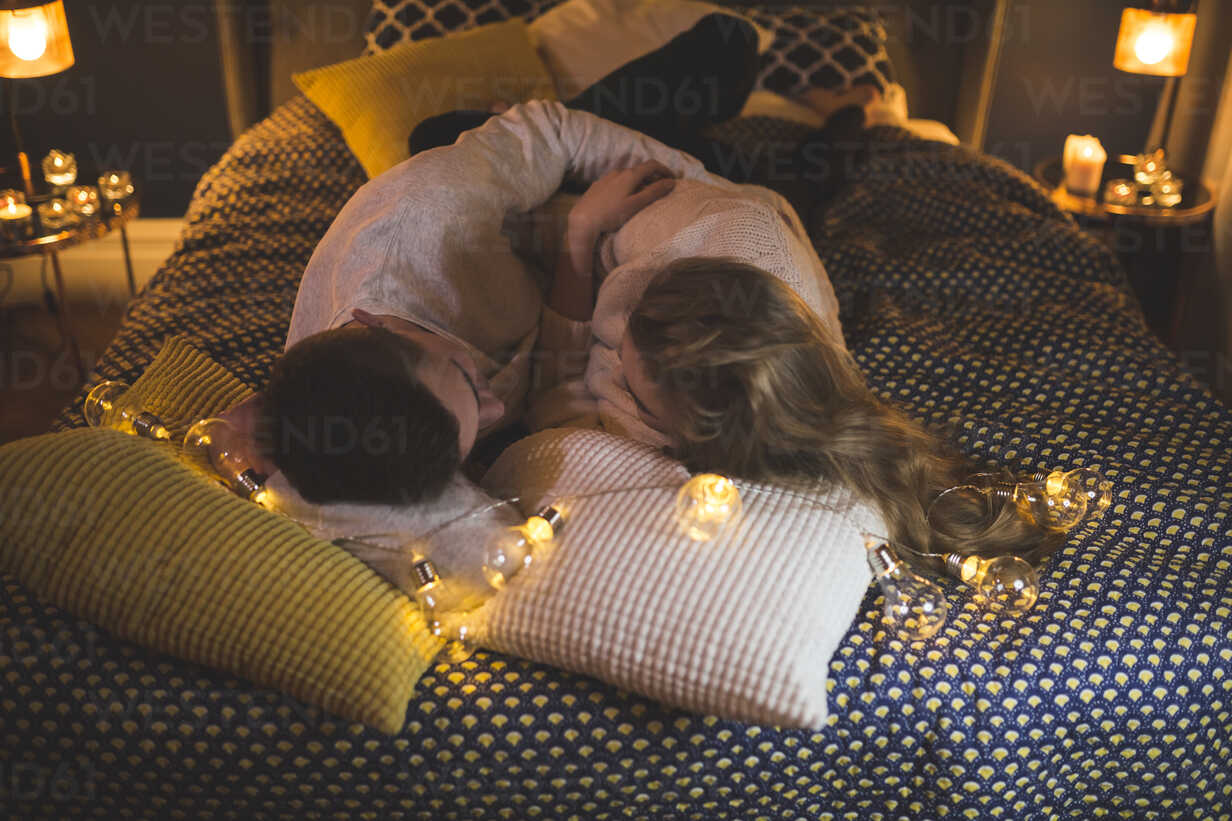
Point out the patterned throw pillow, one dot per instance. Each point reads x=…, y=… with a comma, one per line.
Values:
x=399, y=21
x=831, y=48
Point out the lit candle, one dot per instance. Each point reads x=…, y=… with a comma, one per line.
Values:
x=1150, y=167
x=10, y=197
x=1083, y=162
x=54, y=214
x=115, y=185
x=14, y=215
x=1167, y=190
x=1121, y=192
x=83, y=199
x=59, y=168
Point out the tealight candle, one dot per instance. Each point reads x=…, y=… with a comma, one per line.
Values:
x=1167, y=190
x=83, y=199
x=14, y=215
x=10, y=197
x=54, y=214
x=1149, y=167
x=1121, y=192
x=1083, y=162
x=59, y=169
x=115, y=185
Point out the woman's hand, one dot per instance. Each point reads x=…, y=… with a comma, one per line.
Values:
x=614, y=198
x=607, y=205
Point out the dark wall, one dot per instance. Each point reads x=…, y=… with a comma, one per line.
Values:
x=1056, y=78
x=145, y=95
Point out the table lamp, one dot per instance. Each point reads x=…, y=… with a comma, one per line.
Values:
x=1157, y=40
x=34, y=42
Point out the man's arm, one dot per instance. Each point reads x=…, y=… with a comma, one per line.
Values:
x=424, y=240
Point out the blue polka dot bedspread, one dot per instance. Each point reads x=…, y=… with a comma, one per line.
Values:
x=970, y=301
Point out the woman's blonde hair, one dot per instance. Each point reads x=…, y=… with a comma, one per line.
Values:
x=761, y=390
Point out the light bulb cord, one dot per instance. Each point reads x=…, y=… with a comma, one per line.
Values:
x=478, y=511
x=407, y=543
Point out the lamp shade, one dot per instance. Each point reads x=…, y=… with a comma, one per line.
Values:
x=1152, y=42
x=34, y=39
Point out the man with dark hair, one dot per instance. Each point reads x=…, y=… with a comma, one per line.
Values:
x=366, y=414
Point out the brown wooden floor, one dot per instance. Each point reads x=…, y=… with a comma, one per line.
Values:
x=37, y=377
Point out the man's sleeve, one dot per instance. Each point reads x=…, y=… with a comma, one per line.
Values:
x=517, y=160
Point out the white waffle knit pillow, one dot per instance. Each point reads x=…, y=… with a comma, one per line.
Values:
x=742, y=626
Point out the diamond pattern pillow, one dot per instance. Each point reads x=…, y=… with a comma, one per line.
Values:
x=399, y=21
x=830, y=47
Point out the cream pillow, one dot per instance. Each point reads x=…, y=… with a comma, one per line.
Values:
x=582, y=41
x=377, y=101
x=742, y=626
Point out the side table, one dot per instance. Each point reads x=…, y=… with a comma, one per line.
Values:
x=1159, y=248
x=113, y=215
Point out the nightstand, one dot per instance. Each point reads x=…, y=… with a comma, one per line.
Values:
x=1161, y=249
x=112, y=215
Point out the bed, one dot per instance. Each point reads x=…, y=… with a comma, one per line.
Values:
x=969, y=300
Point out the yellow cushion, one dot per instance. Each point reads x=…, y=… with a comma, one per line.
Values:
x=378, y=100
x=119, y=531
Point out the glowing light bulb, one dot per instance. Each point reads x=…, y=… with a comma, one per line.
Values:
x=1007, y=584
x=914, y=606
x=218, y=446
x=544, y=525
x=1048, y=505
x=1092, y=486
x=706, y=504
x=513, y=548
x=106, y=406
x=1061, y=500
x=1154, y=44
x=28, y=34
x=440, y=606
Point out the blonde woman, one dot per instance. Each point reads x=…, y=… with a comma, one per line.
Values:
x=736, y=363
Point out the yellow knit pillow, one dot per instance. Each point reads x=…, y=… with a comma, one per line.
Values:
x=378, y=100
x=117, y=530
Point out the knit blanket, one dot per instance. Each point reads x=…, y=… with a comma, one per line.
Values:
x=969, y=301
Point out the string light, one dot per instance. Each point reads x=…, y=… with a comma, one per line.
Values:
x=915, y=607
x=512, y=549
x=105, y=406
x=440, y=607
x=706, y=505
x=218, y=446
x=1086, y=484
x=1056, y=500
x=1006, y=584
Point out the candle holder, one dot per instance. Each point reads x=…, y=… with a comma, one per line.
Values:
x=83, y=200
x=1167, y=190
x=59, y=169
x=1121, y=192
x=14, y=216
x=1148, y=168
x=115, y=185
x=55, y=214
